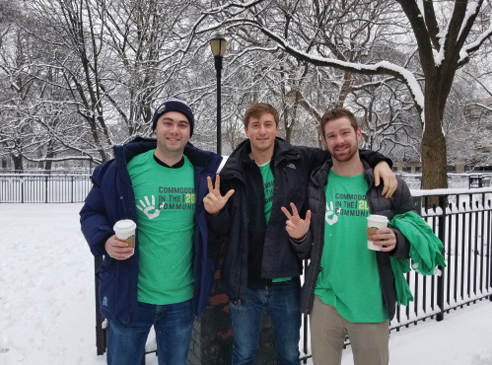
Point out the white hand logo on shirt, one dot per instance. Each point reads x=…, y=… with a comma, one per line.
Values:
x=329, y=213
x=149, y=209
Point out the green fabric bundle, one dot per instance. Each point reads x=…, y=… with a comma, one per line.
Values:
x=425, y=252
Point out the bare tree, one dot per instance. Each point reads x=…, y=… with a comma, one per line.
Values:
x=454, y=41
x=468, y=117
x=445, y=35
x=21, y=89
x=94, y=70
x=105, y=67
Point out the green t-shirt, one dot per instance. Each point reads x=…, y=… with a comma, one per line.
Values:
x=349, y=277
x=267, y=176
x=165, y=200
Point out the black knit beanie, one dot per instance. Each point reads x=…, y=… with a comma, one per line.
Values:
x=174, y=105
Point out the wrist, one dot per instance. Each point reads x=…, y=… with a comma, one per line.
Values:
x=301, y=239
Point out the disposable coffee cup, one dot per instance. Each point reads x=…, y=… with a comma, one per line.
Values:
x=125, y=231
x=374, y=223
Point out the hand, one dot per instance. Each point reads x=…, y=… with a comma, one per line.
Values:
x=214, y=201
x=149, y=208
x=295, y=226
x=385, y=237
x=118, y=250
x=383, y=171
x=330, y=216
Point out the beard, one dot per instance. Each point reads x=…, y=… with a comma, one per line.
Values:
x=343, y=155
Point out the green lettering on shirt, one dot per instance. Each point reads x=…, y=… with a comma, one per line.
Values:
x=349, y=277
x=165, y=200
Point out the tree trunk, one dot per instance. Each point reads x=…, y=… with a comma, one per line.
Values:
x=434, y=163
x=18, y=166
x=49, y=156
x=434, y=154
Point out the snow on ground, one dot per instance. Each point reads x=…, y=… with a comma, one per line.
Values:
x=47, y=301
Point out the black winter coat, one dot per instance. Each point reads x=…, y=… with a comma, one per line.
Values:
x=312, y=247
x=257, y=252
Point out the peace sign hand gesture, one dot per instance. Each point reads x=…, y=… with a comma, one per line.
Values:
x=214, y=201
x=295, y=226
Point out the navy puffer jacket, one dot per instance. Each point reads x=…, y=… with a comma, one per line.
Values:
x=112, y=199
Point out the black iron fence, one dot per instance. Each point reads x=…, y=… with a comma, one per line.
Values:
x=463, y=222
x=479, y=181
x=44, y=188
x=462, y=219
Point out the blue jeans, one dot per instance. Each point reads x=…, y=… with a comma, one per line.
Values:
x=282, y=303
x=173, y=324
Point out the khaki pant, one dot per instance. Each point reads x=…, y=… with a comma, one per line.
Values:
x=369, y=341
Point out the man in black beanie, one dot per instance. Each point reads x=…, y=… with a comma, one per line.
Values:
x=166, y=279
x=177, y=105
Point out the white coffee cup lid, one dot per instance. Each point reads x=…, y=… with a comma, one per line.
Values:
x=125, y=225
x=377, y=218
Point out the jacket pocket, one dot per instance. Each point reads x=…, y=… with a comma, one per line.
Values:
x=106, y=276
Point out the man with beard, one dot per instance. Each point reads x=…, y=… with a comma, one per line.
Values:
x=349, y=289
x=261, y=270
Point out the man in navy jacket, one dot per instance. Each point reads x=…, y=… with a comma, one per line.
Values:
x=166, y=280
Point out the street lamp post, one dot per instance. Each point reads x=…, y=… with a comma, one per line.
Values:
x=218, y=44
